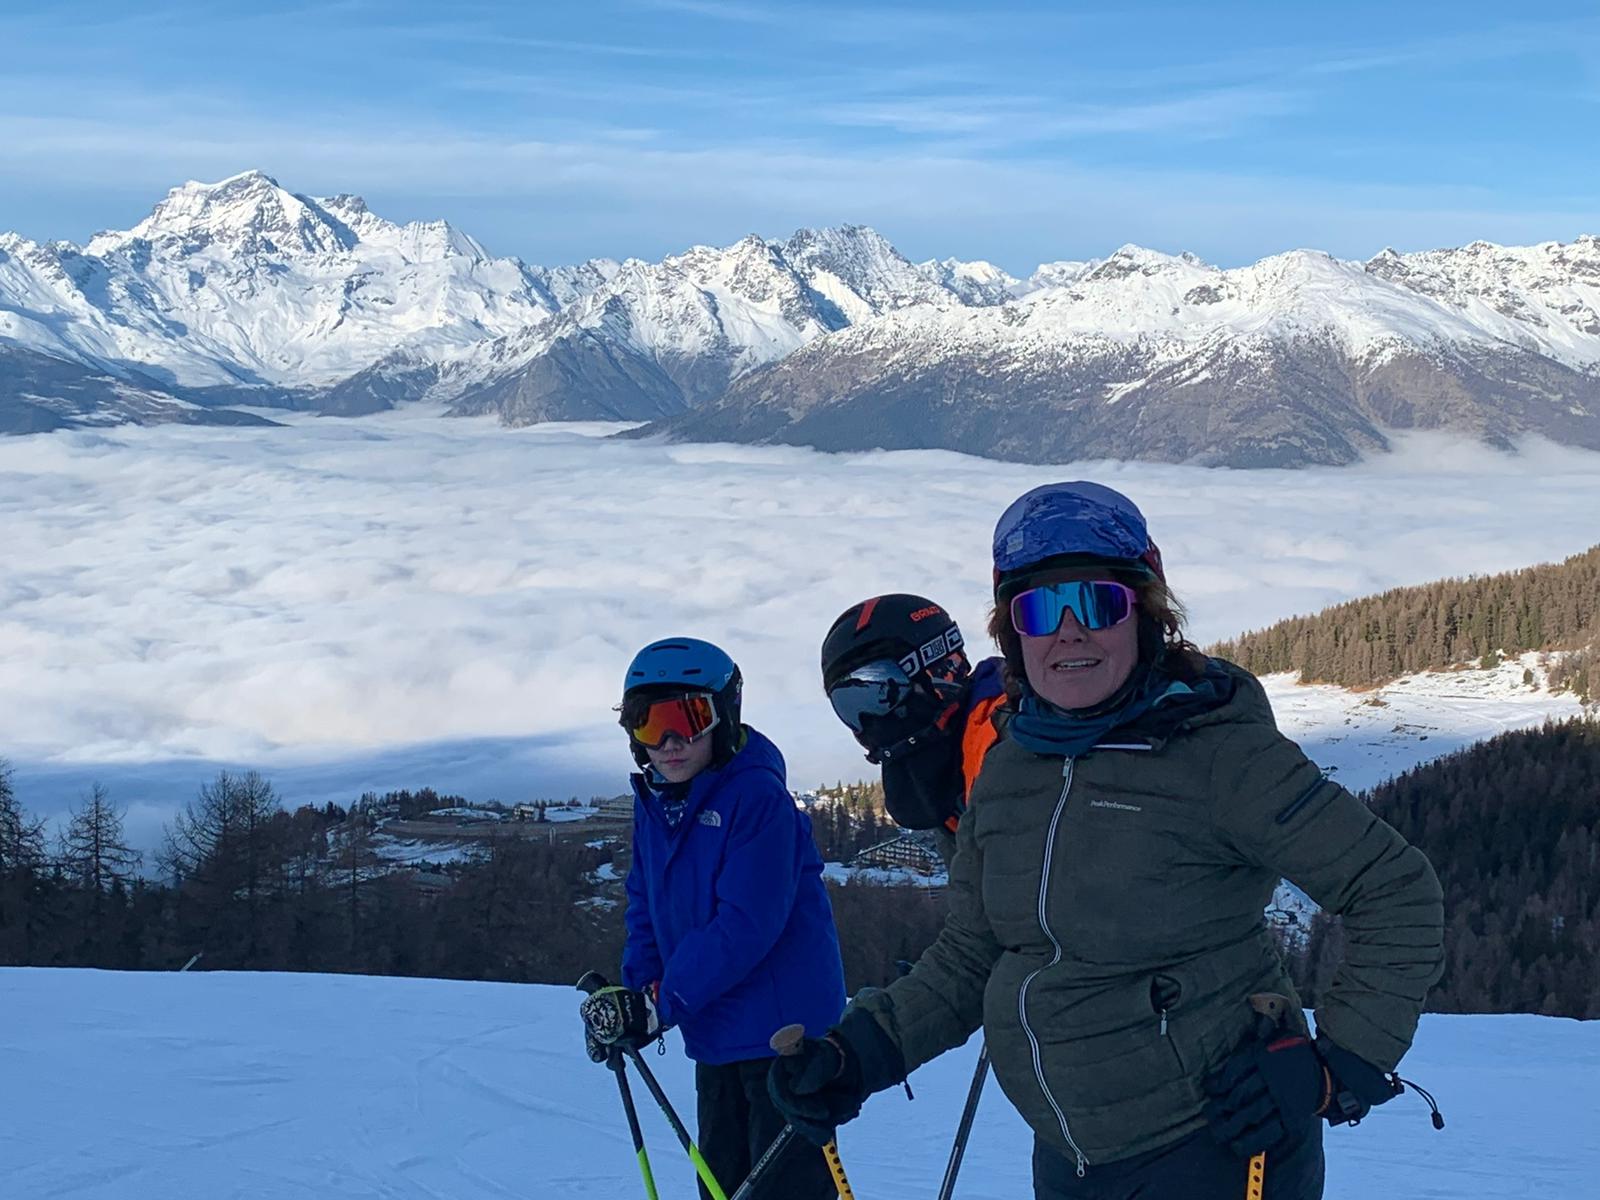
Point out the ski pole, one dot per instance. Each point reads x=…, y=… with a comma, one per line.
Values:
x=593, y=982
x=970, y=1110
x=964, y=1129
x=779, y=1144
x=615, y=1062
x=787, y=1041
x=701, y=1168
x=1255, y=1182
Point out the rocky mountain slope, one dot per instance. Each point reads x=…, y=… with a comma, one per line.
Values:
x=1297, y=359
x=241, y=293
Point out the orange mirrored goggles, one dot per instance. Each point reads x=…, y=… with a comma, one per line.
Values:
x=688, y=717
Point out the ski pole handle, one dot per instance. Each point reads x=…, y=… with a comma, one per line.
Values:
x=786, y=1042
x=591, y=983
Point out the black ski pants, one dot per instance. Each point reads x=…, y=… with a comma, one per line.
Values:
x=1195, y=1168
x=737, y=1124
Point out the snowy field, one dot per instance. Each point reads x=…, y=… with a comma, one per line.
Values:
x=405, y=600
x=281, y=1087
x=1363, y=738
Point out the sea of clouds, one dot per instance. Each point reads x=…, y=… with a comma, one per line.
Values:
x=410, y=599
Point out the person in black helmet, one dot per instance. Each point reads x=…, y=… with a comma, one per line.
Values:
x=896, y=672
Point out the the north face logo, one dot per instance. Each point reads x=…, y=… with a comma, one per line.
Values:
x=711, y=818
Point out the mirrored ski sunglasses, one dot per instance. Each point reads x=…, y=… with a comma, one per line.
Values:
x=873, y=689
x=688, y=716
x=1094, y=603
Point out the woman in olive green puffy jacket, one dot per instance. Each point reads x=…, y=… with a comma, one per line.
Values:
x=1105, y=924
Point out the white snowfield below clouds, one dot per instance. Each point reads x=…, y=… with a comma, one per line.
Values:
x=1363, y=738
x=124, y=1085
x=408, y=600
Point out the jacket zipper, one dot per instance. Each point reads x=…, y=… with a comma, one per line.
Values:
x=1022, y=995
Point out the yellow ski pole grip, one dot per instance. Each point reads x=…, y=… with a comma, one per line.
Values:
x=787, y=1041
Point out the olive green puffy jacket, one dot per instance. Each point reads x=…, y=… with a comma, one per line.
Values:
x=1105, y=921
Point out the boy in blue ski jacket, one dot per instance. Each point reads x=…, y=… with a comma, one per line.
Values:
x=730, y=935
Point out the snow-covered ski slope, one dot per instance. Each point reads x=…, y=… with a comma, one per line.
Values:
x=196, y=1086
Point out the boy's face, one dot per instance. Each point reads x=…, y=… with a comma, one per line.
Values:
x=679, y=761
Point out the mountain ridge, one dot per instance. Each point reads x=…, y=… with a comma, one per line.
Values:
x=244, y=293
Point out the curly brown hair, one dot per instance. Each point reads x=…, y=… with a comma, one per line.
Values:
x=1155, y=603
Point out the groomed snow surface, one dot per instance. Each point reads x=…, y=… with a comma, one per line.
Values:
x=202, y=1086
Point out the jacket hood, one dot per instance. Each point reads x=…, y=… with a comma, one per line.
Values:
x=757, y=754
x=1239, y=698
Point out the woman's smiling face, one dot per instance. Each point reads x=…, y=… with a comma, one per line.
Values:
x=1076, y=667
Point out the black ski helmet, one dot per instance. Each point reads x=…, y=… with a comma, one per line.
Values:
x=922, y=638
x=911, y=630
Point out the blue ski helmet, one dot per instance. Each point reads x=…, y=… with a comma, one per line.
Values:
x=673, y=666
x=1073, y=524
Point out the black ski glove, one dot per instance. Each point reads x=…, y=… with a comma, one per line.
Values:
x=817, y=1088
x=823, y=1084
x=621, y=1017
x=1266, y=1094
x=1357, y=1086
x=1263, y=1097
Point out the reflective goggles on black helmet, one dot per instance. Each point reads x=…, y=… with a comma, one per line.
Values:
x=872, y=691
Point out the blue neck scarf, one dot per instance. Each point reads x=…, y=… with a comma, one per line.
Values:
x=1043, y=728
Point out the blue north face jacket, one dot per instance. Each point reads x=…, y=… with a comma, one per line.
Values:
x=728, y=911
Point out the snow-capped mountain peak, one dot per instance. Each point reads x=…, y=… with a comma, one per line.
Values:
x=353, y=212
x=860, y=270
x=1129, y=259
x=242, y=282
x=1053, y=275
x=246, y=286
x=977, y=283
x=1545, y=297
x=246, y=213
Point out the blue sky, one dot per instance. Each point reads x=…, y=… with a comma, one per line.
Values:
x=1017, y=132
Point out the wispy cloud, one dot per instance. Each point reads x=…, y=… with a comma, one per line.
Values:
x=483, y=34
x=1010, y=121
x=568, y=132
x=1290, y=63
x=601, y=192
x=726, y=10
x=845, y=23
